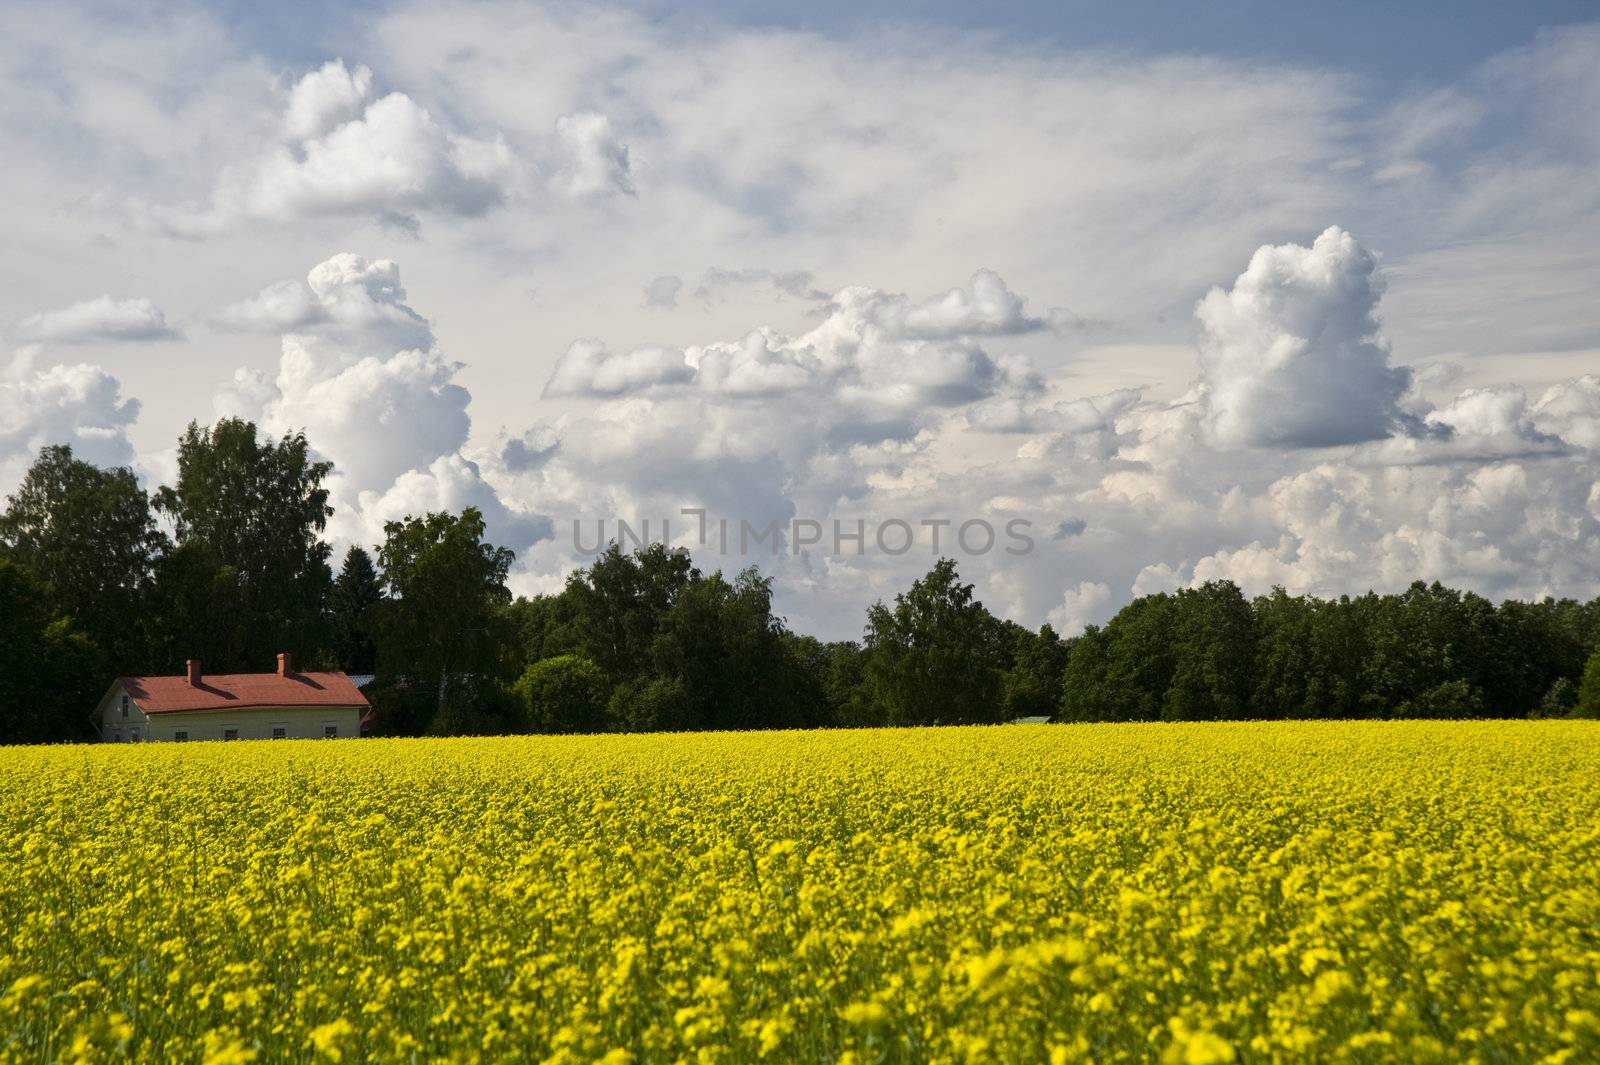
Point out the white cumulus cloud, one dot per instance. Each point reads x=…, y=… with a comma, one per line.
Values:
x=75, y=404
x=360, y=372
x=1292, y=355
x=1571, y=410
x=588, y=369
x=874, y=353
x=325, y=98
x=352, y=303
x=342, y=152
x=100, y=318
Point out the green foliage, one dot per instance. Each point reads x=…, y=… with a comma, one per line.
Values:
x=1544, y=642
x=819, y=697
x=1426, y=637
x=1309, y=656
x=536, y=629
x=1430, y=651
x=1560, y=700
x=194, y=612
x=475, y=704
x=646, y=704
x=828, y=680
x=1213, y=672
x=1122, y=672
x=1453, y=698
x=1588, y=702
x=844, y=677
x=443, y=626
x=615, y=608
x=51, y=674
x=681, y=650
x=936, y=656
x=721, y=641
x=1031, y=684
x=89, y=537
x=566, y=693
x=399, y=708
x=258, y=509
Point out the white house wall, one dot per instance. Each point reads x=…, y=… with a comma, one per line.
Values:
x=298, y=723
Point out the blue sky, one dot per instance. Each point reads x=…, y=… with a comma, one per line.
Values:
x=1284, y=295
x=1394, y=43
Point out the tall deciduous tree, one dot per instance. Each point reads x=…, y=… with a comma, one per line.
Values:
x=681, y=650
x=194, y=612
x=88, y=536
x=615, y=608
x=1032, y=681
x=258, y=508
x=443, y=626
x=1429, y=636
x=1309, y=657
x=935, y=657
x=722, y=641
x=1213, y=672
x=1122, y=672
x=51, y=674
x=540, y=628
x=1186, y=656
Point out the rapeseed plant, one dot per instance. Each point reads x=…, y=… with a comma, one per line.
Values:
x=1345, y=892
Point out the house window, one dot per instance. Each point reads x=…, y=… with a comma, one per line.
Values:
x=330, y=732
x=133, y=735
x=230, y=732
x=280, y=732
x=116, y=733
x=180, y=735
x=124, y=706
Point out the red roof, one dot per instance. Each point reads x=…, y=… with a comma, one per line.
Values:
x=242, y=691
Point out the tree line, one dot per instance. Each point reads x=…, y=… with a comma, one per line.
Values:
x=1209, y=653
x=229, y=565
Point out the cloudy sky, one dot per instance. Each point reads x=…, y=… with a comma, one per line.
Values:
x=1286, y=299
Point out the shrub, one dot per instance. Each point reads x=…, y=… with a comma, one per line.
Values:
x=566, y=693
x=1452, y=699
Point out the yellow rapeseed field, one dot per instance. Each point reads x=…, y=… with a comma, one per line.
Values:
x=1178, y=893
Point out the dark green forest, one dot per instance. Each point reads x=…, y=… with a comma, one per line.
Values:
x=229, y=565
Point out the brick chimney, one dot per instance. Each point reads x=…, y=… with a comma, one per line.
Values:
x=285, y=663
x=193, y=666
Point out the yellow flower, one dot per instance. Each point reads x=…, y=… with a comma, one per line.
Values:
x=328, y=1039
x=864, y=1013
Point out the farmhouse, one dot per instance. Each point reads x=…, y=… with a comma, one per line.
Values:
x=232, y=706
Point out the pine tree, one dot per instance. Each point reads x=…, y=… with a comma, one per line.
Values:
x=355, y=592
